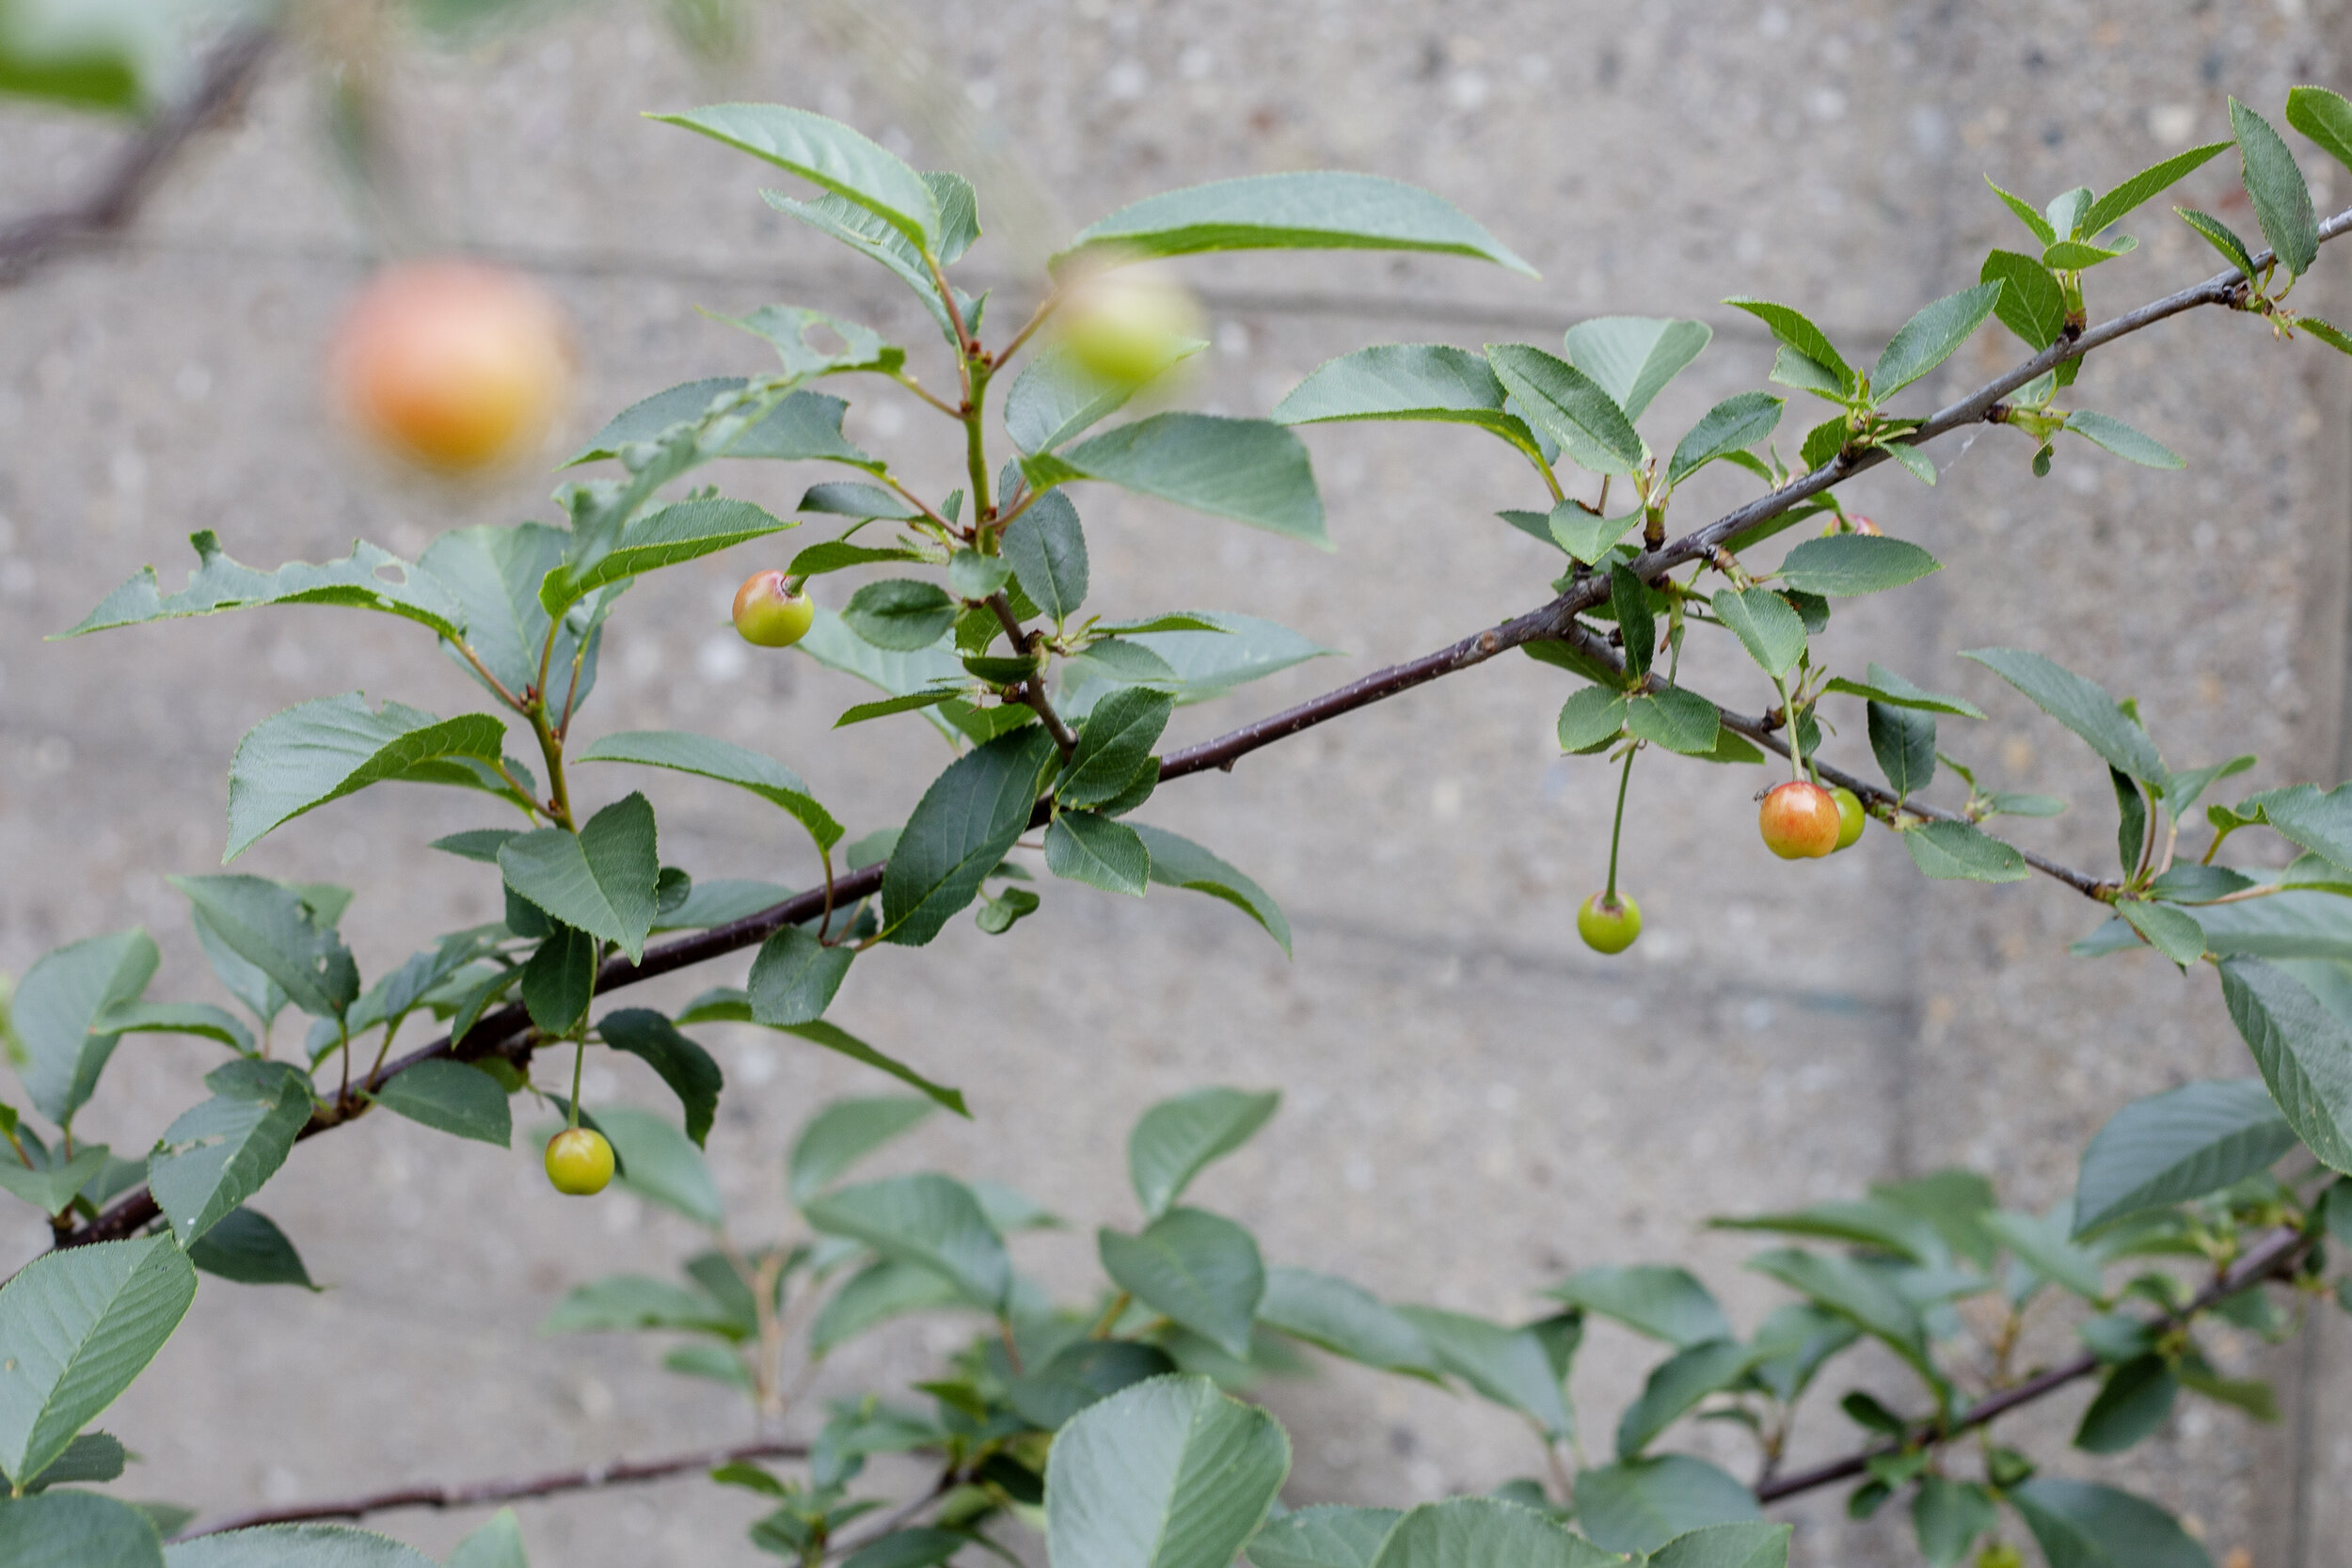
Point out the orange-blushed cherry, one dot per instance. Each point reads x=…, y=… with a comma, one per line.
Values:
x=1851, y=816
x=1799, y=820
x=453, y=365
x=1609, y=925
x=579, y=1162
x=768, y=614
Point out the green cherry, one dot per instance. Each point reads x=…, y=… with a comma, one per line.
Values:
x=1609, y=925
x=768, y=614
x=579, y=1162
x=1851, y=816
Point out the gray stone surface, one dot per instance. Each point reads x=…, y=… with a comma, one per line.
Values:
x=1474, y=1103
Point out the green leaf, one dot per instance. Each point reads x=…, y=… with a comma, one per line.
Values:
x=1569, y=407
x=733, y=1006
x=1766, y=626
x=2041, y=1244
x=1476, y=1532
x=599, y=880
x=928, y=1220
x=52, y=1188
x=1047, y=548
x=219, y=1152
x=2132, y=1403
x=827, y=153
x=683, y=1064
x=2025, y=214
x=1803, y=340
x=920, y=1547
x=295, y=1546
x=658, y=1163
x=633, y=1300
x=449, y=1097
x=1731, y=426
x=1407, y=381
x=801, y=426
x=1677, y=1384
x=93, y=1456
x=1844, y=564
x=200, y=1018
x=1201, y=664
x=2082, y=707
x=1633, y=358
x=2076, y=254
x=663, y=537
x=862, y=501
x=1903, y=740
x=2324, y=117
x=1640, y=1505
x=1114, y=743
x=79, y=1327
x=1323, y=1536
x=2154, y=181
x=496, y=1544
x=1825, y=441
x=2079, y=1524
x=368, y=578
x=843, y=1133
x=876, y=1295
x=1169, y=1473
x=969, y=817
x=2302, y=1043
x=1629, y=605
x=1886, y=687
x=1678, y=720
x=495, y=571
x=1251, y=471
x=1177, y=1138
x=2102, y=430
x=559, y=979
x=726, y=762
x=1098, y=851
x=2319, y=821
x=2170, y=931
x=2179, y=1145
x=1199, y=1270
x=2222, y=238
x=795, y=977
x=1178, y=862
x=1738, y=1546
x=1512, y=1366
x=1346, y=1320
x=788, y=329
x=298, y=760
x=1055, y=398
x=1592, y=717
x=901, y=614
x=55, y=1007
x=76, y=1530
x=1948, y=1515
x=247, y=1246
x=1861, y=1294
x=1916, y=462
x=2030, y=303
x=1954, y=852
x=1665, y=1303
x=1322, y=210
x=2282, y=202
x=1930, y=338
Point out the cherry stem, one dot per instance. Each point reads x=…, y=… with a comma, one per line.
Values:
x=580, y=1060
x=1616, y=829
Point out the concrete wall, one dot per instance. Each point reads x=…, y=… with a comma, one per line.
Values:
x=1474, y=1103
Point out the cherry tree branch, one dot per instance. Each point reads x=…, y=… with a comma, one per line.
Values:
x=2272, y=1257
x=508, y=1031
x=109, y=206
x=481, y=1493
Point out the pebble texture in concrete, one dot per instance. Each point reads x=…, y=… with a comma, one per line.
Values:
x=1474, y=1104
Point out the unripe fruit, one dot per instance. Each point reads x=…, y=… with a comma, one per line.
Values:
x=1799, y=821
x=1609, y=926
x=2000, y=1554
x=452, y=364
x=1862, y=524
x=1851, y=816
x=767, y=613
x=1127, y=327
x=579, y=1162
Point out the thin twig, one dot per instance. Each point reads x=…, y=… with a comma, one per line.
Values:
x=115, y=199
x=2273, y=1255
x=507, y=1031
x=482, y=1494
